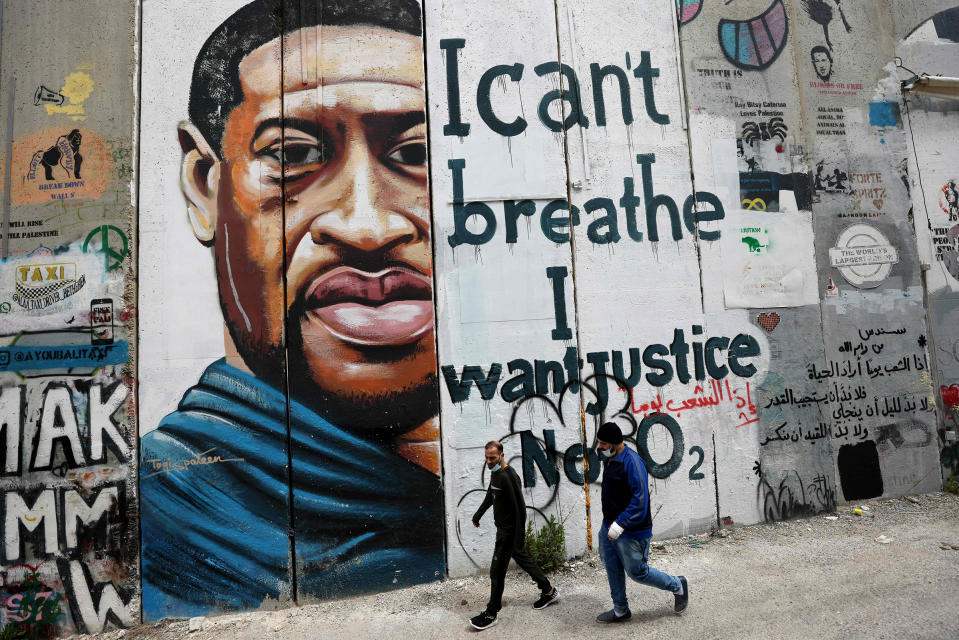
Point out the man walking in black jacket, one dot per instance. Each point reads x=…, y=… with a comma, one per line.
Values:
x=505, y=494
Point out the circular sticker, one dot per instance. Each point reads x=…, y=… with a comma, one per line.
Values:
x=863, y=256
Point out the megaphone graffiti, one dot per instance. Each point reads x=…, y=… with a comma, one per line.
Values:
x=47, y=96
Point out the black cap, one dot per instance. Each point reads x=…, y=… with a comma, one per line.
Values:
x=609, y=432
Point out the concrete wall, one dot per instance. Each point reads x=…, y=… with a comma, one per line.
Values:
x=67, y=317
x=722, y=228
x=932, y=48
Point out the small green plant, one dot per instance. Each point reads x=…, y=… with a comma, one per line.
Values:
x=548, y=545
x=13, y=631
x=952, y=484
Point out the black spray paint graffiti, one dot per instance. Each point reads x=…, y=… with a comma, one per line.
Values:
x=826, y=181
x=540, y=454
x=792, y=498
x=47, y=96
x=822, y=62
x=756, y=131
x=64, y=153
x=820, y=12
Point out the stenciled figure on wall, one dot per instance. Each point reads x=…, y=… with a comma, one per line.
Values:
x=315, y=205
x=65, y=153
x=951, y=196
x=821, y=62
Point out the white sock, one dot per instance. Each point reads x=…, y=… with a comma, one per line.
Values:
x=680, y=592
x=619, y=614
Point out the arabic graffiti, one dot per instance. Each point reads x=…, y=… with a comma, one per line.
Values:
x=722, y=394
x=823, y=430
x=840, y=395
x=853, y=366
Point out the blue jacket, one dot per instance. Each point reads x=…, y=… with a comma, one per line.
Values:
x=626, y=495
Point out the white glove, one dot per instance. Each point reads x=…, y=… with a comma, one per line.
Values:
x=614, y=531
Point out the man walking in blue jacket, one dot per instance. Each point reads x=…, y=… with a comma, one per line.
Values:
x=627, y=526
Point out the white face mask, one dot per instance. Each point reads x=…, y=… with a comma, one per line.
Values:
x=607, y=453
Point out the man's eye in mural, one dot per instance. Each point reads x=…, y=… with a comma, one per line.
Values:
x=296, y=155
x=411, y=153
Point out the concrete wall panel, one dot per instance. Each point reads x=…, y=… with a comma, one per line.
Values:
x=67, y=318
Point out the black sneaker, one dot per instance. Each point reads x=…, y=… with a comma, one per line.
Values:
x=610, y=616
x=546, y=599
x=681, y=600
x=484, y=620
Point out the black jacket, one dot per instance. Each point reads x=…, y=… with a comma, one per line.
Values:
x=505, y=494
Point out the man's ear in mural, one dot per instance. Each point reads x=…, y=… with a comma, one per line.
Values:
x=199, y=177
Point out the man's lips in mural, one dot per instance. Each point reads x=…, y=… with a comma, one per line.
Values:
x=393, y=307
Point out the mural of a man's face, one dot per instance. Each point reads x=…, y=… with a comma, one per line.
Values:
x=321, y=194
x=822, y=64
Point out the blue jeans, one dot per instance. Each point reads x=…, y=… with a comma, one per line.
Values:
x=630, y=556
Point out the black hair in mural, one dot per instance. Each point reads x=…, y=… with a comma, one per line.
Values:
x=820, y=49
x=215, y=89
x=819, y=55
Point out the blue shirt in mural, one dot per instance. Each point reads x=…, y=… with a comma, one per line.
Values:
x=215, y=495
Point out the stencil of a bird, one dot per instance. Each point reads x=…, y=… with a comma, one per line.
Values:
x=821, y=13
x=845, y=23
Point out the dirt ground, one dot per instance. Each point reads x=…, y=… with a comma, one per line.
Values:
x=823, y=577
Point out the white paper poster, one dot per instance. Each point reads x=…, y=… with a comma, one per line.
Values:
x=768, y=260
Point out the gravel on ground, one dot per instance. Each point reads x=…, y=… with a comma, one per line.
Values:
x=892, y=572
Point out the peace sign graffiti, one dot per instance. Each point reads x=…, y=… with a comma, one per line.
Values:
x=112, y=258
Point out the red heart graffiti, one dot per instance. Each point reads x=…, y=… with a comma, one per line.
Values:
x=950, y=395
x=768, y=321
